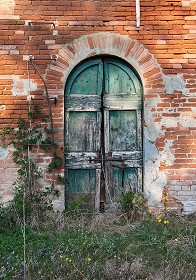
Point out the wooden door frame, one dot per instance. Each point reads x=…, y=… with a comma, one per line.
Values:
x=83, y=65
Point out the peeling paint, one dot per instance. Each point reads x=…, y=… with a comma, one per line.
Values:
x=22, y=87
x=174, y=83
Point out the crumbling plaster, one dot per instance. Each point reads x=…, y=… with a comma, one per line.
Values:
x=154, y=179
x=22, y=87
x=175, y=83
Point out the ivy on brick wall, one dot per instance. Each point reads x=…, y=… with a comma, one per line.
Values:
x=30, y=136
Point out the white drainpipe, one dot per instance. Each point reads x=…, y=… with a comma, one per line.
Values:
x=137, y=13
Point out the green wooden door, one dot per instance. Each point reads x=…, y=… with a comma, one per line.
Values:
x=103, y=137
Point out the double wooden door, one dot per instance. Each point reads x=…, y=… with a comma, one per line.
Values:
x=103, y=131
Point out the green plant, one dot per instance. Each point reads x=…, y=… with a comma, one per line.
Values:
x=29, y=134
x=99, y=249
x=55, y=163
x=133, y=205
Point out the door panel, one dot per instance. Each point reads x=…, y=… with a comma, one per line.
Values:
x=82, y=130
x=123, y=139
x=126, y=179
x=86, y=79
x=123, y=130
x=81, y=180
x=103, y=132
x=119, y=78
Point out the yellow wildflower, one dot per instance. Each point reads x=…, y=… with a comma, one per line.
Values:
x=89, y=259
x=166, y=222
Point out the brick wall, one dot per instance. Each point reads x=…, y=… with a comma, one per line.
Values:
x=166, y=37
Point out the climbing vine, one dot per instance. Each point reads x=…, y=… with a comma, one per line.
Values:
x=29, y=135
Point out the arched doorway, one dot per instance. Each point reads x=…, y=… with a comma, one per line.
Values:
x=103, y=129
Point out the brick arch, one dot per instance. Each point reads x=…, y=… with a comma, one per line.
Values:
x=112, y=44
x=153, y=86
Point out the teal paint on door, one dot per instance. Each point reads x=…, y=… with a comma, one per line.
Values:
x=103, y=135
x=123, y=130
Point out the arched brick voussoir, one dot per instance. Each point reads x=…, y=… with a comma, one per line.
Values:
x=55, y=71
x=109, y=44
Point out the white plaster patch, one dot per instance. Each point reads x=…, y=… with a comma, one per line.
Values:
x=189, y=121
x=22, y=87
x=7, y=7
x=170, y=122
x=55, y=32
x=155, y=180
x=2, y=107
x=152, y=129
x=166, y=154
x=14, y=52
x=189, y=3
x=27, y=57
x=3, y=153
x=189, y=206
x=174, y=82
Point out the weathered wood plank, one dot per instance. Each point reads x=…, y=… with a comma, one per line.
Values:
x=127, y=155
x=122, y=102
x=83, y=131
x=120, y=78
x=139, y=129
x=123, y=130
x=82, y=102
x=86, y=79
x=106, y=130
x=82, y=160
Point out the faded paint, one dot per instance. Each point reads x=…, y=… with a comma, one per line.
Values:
x=174, y=83
x=22, y=87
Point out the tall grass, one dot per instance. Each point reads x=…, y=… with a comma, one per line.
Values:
x=82, y=245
